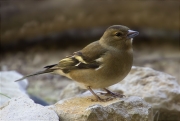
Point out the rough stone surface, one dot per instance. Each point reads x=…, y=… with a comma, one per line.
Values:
x=81, y=108
x=159, y=89
x=24, y=109
x=67, y=91
x=9, y=88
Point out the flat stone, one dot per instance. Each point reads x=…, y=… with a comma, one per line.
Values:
x=82, y=108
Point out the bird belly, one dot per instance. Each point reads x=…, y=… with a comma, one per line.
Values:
x=98, y=78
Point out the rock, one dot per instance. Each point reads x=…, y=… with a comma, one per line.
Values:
x=81, y=108
x=9, y=88
x=71, y=90
x=159, y=89
x=24, y=109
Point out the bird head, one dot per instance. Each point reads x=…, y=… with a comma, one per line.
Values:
x=118, y=37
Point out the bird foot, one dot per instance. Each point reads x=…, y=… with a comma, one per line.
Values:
x=101, y=100
x=115, y=95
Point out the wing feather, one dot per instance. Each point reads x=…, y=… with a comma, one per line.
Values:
x=87, y=58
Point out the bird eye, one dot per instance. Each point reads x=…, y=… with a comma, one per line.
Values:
x=118, y=34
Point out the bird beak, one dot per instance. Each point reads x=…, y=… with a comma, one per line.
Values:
x=132, y=34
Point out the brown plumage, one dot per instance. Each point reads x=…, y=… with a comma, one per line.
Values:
x=101, y=63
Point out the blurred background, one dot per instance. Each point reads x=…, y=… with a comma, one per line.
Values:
x=36, y=33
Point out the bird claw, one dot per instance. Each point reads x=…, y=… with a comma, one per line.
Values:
x=115, y=95
x=101, y=100
x=118, y=95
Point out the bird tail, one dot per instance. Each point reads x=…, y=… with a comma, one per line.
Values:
x=37, y=73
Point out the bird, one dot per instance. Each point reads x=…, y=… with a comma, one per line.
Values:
x=100, y=64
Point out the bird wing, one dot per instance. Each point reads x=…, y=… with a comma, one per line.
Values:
x=87, y=58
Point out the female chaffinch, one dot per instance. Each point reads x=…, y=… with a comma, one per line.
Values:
x=101, y=63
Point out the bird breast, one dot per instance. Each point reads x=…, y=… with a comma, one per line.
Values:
x=109, y=73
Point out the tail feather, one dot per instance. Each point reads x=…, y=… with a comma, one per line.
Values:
x=37, y=73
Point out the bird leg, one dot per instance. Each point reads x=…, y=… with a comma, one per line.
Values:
x=112, y=93
x=97, y=97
